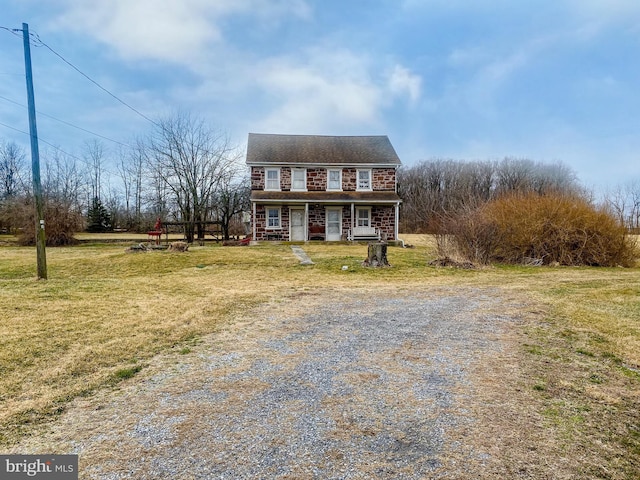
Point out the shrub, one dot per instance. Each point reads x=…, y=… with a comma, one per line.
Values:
x=62, y=221
x=553, y=228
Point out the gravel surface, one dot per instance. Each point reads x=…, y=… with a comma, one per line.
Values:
x=352, y=385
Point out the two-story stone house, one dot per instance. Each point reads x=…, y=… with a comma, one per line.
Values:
x=308, y=187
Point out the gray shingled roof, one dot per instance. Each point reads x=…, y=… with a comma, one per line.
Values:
x=317, y=149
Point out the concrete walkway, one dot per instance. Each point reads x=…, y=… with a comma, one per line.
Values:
x=302, y=256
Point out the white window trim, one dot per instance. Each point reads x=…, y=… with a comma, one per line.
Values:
x=304, y=172
x=266, y=179
x=358, y=180
x=268, y=227
x=339, y=170
x=358, y=209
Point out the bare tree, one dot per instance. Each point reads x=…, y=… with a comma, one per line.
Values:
x=131, y=170
x=191, y=160
x=624, y=202
x=11, y=170
x=94, y=158
x=634, y=214
x=231, y=198
x=435, y=191
x=63, y=179
x=514, y=175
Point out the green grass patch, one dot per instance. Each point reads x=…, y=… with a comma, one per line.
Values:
x=124, y=373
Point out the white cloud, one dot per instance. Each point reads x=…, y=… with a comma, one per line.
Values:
x=403, y=82
x=177, y=31
x=327, y=91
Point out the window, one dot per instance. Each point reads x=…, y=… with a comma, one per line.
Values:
x=298, y=179
x=272, y=181
x=364, y=180
x=364, y=217
x=334, y=179
x=273, y=218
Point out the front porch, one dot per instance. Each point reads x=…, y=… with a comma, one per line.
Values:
x=327, y=222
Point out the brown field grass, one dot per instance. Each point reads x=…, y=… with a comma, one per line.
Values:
x=104, y=313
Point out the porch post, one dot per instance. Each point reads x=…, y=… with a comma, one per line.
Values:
x=255, y=228
x=353, y=213
x=396, y=228
x=306, y=222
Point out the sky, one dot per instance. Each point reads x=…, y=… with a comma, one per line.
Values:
x=547, y=80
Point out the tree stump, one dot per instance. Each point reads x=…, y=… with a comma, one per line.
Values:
x=376, y=255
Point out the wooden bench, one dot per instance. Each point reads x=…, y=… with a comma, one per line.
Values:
x=316, y=232
x=363, y=233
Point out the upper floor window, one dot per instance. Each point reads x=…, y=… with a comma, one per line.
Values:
x=272, y=179
x=334, y=179
x=298, y=179
x=364, y=180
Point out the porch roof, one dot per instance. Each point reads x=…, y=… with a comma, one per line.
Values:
x=386, y=197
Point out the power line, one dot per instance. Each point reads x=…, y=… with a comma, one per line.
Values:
x=37, y=42
x=69, y=124
x=13, y=31
x=55, y=147
x=93, y=81
x=44, y=141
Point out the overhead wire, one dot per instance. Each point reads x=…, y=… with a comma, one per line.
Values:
x=67, y=123
x=58, y=149
x=36, y=41
x=40, y=43
x=13, y=31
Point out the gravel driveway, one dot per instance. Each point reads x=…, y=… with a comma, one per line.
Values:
x=351, y=385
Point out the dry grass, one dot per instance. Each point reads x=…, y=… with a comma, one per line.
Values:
x=104, y=313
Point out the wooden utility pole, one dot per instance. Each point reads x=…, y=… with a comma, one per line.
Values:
x=35, y=159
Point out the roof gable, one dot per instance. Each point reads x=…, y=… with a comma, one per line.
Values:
x=317, y=149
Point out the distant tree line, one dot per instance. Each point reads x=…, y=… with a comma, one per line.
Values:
x=517, y=211
x=433, y=191
x=624, y=201
x=182, y=171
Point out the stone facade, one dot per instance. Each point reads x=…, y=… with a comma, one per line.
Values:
x=285, y=179
x=257, y=178
x=349, y=179
x=382, y=216
x=316, y=179
x=316, y=216
x=264, y=233
x=384, y=179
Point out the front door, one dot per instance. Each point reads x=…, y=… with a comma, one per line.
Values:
x=297, y=225
x=334, y=224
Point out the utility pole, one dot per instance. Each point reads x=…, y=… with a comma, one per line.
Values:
x=35, y=159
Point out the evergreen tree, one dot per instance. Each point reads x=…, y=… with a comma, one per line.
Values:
x=99, y=218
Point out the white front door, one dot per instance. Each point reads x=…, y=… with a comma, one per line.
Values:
x=334, y=224
x=297, y=225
